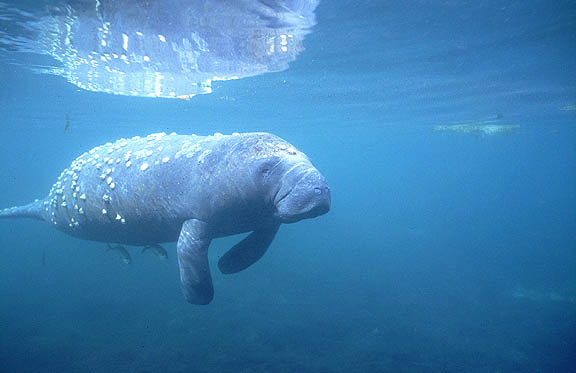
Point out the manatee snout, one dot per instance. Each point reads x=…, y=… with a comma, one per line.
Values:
x=308, y=197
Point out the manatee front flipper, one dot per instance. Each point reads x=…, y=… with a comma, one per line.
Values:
x=248, y=251
x=193, y=261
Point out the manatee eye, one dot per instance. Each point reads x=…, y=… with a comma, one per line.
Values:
x=267, y=167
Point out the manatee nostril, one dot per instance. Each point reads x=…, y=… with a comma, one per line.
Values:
x=318, y=191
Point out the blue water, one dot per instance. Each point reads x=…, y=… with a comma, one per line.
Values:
x=443, y=251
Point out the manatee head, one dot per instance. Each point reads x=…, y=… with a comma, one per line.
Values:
x=303, y=194
x=295, y=188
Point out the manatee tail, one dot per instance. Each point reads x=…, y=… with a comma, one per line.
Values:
x=32, y=210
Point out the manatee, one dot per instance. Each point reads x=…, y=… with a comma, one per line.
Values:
x=482, y=127
x=186, y=189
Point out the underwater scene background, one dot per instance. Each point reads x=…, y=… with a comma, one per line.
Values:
x=447, y=132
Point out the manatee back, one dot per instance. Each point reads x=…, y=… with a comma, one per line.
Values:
x=133, y=187
x=143, y=189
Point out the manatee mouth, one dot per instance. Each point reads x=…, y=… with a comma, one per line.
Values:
x=304, y=194
x=283, y=196
x=282, y=192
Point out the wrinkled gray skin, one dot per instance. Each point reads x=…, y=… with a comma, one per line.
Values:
x=190, y=189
